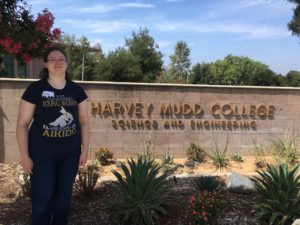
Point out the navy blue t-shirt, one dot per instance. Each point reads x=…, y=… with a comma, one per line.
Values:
x=55, y=129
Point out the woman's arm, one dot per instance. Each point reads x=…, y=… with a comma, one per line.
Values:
x=26, y=111
x=84, y=128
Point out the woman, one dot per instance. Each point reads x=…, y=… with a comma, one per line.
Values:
x=53, y=138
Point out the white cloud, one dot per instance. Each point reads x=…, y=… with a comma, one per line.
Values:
x=171, y=1
x=97, y=26
x=135, y=5
x=247, y=31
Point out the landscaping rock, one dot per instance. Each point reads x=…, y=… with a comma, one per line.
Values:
x=190, y=163
x=296, y=222
x=240, y=184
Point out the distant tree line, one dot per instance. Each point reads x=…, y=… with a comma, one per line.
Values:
x=140, y=59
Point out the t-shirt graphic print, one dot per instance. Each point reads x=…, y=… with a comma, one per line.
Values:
x=55, y=128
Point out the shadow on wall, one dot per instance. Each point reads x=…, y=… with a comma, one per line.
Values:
x=2, y=150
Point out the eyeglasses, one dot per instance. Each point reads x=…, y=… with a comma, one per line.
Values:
x=54, y=60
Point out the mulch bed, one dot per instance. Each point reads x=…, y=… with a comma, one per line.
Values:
x=93, y=210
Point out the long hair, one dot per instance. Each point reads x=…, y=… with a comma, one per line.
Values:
x=44, y=73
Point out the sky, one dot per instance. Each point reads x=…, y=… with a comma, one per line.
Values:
x=212, y=29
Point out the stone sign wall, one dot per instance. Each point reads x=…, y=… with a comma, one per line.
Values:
x=128, y=117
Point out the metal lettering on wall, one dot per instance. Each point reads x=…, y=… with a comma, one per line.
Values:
x=139, y=115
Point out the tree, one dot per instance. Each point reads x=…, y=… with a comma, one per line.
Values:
x=201, y=74
x=294, y=24
x=76, y=49
x=180, y=61
x=120, y=65
x=236, y=70
x=21, y=34
x=144, y=48
x=293, y=78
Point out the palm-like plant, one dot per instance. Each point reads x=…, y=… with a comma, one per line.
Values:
x=279, y=188
x=140, y=199
x=206, y=183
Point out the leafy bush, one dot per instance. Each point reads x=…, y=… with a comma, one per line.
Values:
x=206, y=183
x=104, y=156
x=204, y=208
x=87, y=178
x=285, y=149
x=196, y=153
x=219, y=157
x=168, y=166
x=140, y=199
x=279, y=188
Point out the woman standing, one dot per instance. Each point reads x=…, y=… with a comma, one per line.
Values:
x=53, y=138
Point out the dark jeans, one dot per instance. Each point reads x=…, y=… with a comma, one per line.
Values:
x=52, y=181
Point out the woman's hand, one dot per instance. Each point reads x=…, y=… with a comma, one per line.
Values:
x=27, y=164
x=83, y=158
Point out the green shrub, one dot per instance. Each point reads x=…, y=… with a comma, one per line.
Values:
x=279, y=188
x=87, y=178
x=104, y=156
x=168, y=166
x=196, y=153
x=140, y=199
x=219, y=157
x=204, y=208
x=206, y=183
x=285, y=149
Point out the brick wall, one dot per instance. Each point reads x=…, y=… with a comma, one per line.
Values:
x=126, y=116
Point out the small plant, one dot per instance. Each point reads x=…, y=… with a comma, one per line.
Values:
x=140, y=199
x=259, y=154
x=279, y=188
x=104, y=156
x=206, y=183
x=87, y=178
x=285, y=149
x=204, y=208
x=168, y=166
x=196, y=153
x=167, y=158
x=237, y=158
x=26, y=184
x=219, y=157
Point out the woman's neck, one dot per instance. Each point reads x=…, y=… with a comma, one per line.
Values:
x=57, y=82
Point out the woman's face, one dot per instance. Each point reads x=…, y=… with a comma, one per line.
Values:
x=56, y=63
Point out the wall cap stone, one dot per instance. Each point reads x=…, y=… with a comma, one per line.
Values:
x=162, y=84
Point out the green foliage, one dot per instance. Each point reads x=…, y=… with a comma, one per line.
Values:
x=294, y=24
x=76, y=49
x=206, y=183
x=219, y=157
x=142, y=46
x=196, y=153
x=104, y=156
x=259, y=154
x=168, y=166
x=120, y=66
x=237, y=158
x=235, y=70
x=140, y=199
x=293, y=78
x=285, y=149
x=279, y=188
x=87, y=179
x=180, y=61
x=26, y=185
x=204, y=208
